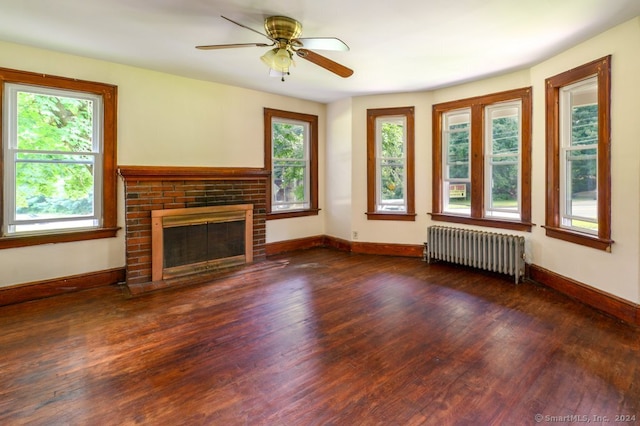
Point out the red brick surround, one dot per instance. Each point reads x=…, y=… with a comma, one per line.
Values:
x=158, y=188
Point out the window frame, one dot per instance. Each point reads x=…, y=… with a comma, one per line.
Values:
x=373, y=188
x=601, y=69
x=312, y=150
x=478, y=179
x=108, y=227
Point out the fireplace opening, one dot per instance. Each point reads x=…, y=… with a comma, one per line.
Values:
x=200, y=239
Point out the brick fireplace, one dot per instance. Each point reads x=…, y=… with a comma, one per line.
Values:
x=149, y=188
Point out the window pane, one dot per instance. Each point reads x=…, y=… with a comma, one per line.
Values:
x=52, y=190
x=288, y=183
x=505, y=135
x=392, y=177
x=504, y=186
x=581, y=184
x=583, y=103
x=288, y=140
x=54, y=123
x=458, y=154
x=584, y=125
x=457, y=128
x=392, y=134
x=457, y=198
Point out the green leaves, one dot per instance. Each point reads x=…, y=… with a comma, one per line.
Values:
x=392, y=160
x=289, y=161
x=55, y=160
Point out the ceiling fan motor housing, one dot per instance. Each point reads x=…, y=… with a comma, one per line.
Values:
x=281, y=27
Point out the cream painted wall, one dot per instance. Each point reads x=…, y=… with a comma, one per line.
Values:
x=163, y=120
x=339, y=180
x=169, y=120
x=384, y=231
x=616, y=272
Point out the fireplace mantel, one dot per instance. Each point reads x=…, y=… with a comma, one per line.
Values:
x=154, y=173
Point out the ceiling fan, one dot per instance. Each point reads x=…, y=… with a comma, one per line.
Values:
x=284, y=34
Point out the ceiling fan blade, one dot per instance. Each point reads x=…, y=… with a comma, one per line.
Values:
x=229, y=46
x=249, y=28
x=323, y=43
x=325, y=63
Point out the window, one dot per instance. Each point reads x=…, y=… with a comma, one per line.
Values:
x=502, y=160
x=58, y=157
x=482, y=160
x=390, y=164
x=457, y=162
x=291, y=155
x=578, y=163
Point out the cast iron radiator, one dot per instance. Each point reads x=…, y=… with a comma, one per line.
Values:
x=484, y=250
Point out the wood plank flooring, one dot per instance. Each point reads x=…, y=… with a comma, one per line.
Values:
x=320, y=337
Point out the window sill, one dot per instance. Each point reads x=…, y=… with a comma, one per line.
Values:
x=292, y=213
x=409, y=217
x=592, y=241
x=491, y=223
x=61, y=237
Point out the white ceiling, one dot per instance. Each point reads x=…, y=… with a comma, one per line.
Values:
x=396, y=46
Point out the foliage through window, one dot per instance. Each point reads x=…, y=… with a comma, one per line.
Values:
x=290, y=164
x=578, y=164
x=457, y=178
x=502, y=160
x=579, y=153
x=390, y=163
x=481, y=160
x=291, y=156
x=55, y=162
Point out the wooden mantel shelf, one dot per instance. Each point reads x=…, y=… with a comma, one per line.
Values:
x=146, y=173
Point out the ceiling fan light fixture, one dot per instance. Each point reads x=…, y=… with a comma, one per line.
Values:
x=267, y=58
x=282, y=59
x=278, y=59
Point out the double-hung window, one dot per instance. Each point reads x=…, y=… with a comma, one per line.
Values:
x=291, y=145
x=456, y=182
x=579, y=156
x=54, y=153
x=58, y=146
x=481, y=160
x=502, y=160
x=578, y=165
x=390, y=164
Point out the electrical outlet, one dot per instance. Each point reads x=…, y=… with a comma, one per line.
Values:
x=355, y=235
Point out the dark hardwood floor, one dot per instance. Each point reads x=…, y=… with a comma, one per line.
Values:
x=319, y=337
